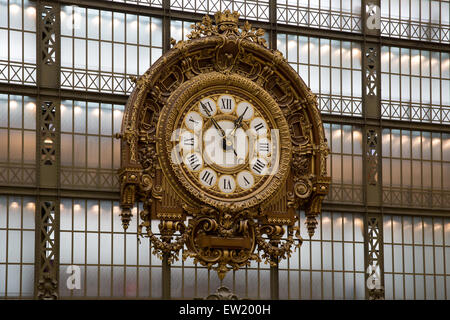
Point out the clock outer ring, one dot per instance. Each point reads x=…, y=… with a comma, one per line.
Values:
x=175, y=175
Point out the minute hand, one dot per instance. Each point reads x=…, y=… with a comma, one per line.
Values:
x=218, y=127
x=238, y=123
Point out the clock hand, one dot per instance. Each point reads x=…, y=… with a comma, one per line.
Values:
x=228, y=143
x=205, y=109
x=218, y=127
x=238, y=122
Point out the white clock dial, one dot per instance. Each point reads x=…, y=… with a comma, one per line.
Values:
x=259, y=125
x=207, y=107
x=259, y=166
x=245, y=110
x=227, y=184
x=208, y=177
x=194, y=121
x=226, y=103
x=263, y=147
x=188, y=141
x=229, y=153
x=245, y=179
x=193, y=161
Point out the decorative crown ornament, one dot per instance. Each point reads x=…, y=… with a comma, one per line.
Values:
x=227, y=18
x=226, y=25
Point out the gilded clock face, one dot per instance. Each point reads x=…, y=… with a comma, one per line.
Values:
x=226, y=145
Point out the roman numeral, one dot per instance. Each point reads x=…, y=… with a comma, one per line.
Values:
x=208, y=177
x=192, y=120
x=264, y=147
x=189, y=141
x=208, y=106
x=194, y=162
x=226, y=104
x=259, y=166
x=259, y=126
x=246, y=181
x=226, y=184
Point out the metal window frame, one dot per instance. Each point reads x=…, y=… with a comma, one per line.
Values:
x=48, y=89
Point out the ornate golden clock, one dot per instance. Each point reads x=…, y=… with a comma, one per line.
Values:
x=222, y=142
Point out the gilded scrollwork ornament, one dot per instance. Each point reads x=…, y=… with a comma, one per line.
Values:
x=222, y=240
x=269, y=239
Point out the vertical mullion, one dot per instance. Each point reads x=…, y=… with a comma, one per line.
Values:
x=125, y=46
x=22, y=131
x=138, y=22
x=137, y=245
x=21, y=244
x=86, y=137
x=299, y=263
x=414, y=256
x=7, y=242
x=403, y=258
x=8, y=142
x=22, y=63
x=332, y=253
x=124, y=262
x=85, y=245
x=340, y=111
x=100, y=24
x=351, y=78
x=72, y=137
x=420, y=26
x=321, y=253
x=434, y=254
x=288, y=278
x=341, y=156
x=354, y=259
x=441, y=119
x=8, y=23
x=310, y=268
x=150, y=268
x=409, y=18
x=113, y=49
x=112, y=252
x=411, y=159
x=444, y=260
x=393, y=259
x=423, y=258
x=72, y=235
x=343, y=259
x=99, y=248
x=354, y=241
